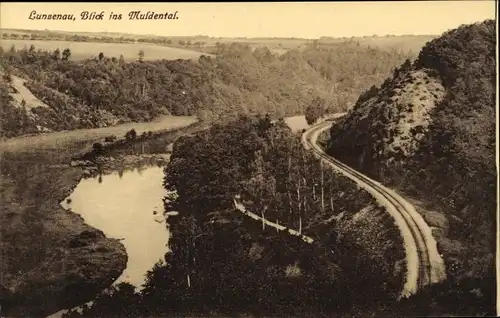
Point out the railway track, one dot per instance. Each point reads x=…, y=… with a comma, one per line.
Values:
x=424, y=265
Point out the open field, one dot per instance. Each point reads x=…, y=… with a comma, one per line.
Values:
x=61, y=138
x=297, y=123
x=85, y=50
x=209, y=44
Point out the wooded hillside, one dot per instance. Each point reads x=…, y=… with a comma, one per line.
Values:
x=107, y=90
x=225, y=263
x=430, y=131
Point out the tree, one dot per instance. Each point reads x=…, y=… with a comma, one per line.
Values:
x=98, y=147
x=315, y=110
x=141, y=56
x=7, y=77
x=66, y=54
x=121, y=61
x=101, y=56
x=406, y=66
x=56, y=55
x=131, y=135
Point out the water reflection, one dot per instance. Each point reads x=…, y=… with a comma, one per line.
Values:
x=127, y=205
x=122, y=164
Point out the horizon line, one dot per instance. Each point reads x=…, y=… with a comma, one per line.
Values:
x=219, y=37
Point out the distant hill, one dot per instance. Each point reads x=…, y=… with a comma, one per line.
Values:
x=207, y=44
x=429, y=130
x=108, y=89
x=86, y=50
x=388, y=42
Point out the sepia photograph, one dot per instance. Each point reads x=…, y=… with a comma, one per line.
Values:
x=258, y=159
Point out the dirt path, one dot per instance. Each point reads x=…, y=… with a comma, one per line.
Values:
x=23, y=93
x=240, y=207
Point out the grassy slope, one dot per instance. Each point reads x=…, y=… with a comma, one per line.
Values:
x=23, y=93
x=66, y=137
x=130, y=51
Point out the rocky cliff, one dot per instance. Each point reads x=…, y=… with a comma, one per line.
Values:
x=429, y=131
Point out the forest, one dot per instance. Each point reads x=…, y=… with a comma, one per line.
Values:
x=239, y=80
x=267, y=273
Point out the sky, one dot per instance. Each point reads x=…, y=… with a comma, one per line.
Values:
x=303, y=20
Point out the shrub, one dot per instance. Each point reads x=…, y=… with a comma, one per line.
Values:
x=131, y=135
x=98, y=147
x=111, y=138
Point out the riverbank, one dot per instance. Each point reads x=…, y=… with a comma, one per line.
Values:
x=128, y=206
x=51, y=259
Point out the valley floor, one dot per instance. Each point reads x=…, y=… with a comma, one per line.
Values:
x=50, y=256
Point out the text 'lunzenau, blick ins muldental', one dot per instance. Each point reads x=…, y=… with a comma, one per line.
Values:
x=96, y=15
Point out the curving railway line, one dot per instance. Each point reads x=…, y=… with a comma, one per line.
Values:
x=423, y=261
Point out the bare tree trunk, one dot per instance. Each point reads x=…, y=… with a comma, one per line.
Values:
x=304, y=195
x=194, y=257
x=304, y=205
x=188, y=280
x=298, y=198
x=263, y=218
x=289, y=184
x=304, y=209
x=303, y=214
x=300, y=224
x=322, y=187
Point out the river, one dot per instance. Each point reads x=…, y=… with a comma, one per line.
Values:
x=128, y=207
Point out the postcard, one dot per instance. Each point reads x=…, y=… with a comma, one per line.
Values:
x=260, y=159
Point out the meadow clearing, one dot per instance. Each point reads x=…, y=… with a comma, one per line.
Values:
x=85, y=50
x=61, y=138
x=296, y=123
